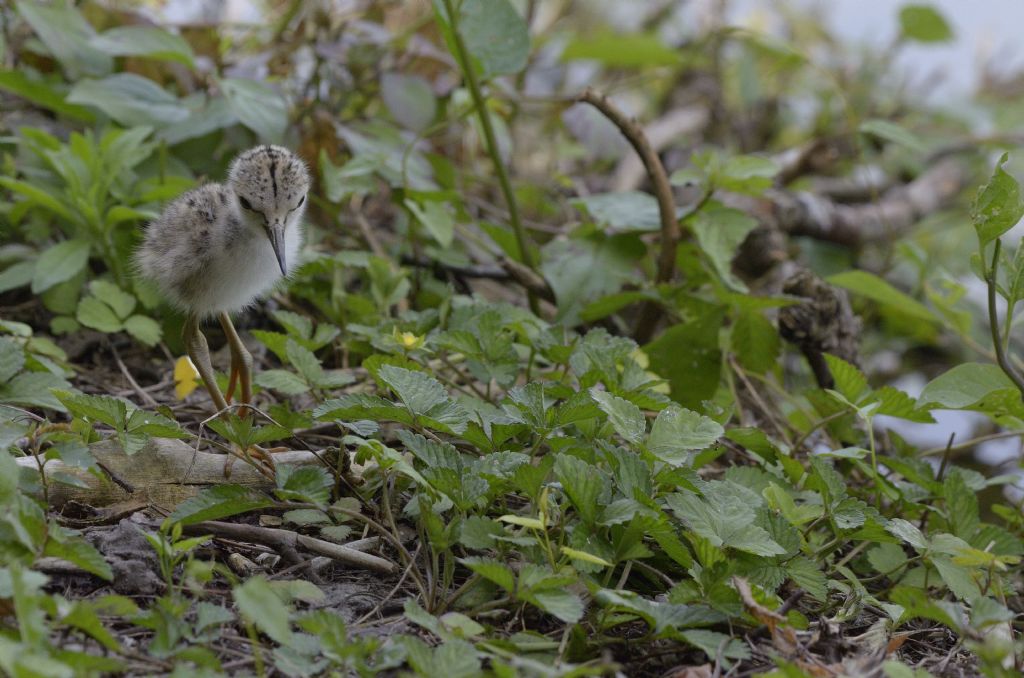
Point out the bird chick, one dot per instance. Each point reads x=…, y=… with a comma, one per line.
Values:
x=217, y=248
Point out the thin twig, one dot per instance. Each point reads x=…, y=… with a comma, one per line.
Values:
x=670, y=232
x=993, y=322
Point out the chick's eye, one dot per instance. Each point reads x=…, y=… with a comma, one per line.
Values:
x=245, y=203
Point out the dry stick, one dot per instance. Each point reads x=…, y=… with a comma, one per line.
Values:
x=288, y=540
x=670, y=233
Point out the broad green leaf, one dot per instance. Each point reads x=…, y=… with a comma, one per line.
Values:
x=32, y=389
x=755, y=341
x=908, y=532
x=924, y=23
x=495, y=34
x=965, y=385
x=677, y=431
x=890, y=131
x=66, y=35
x=660, y=616
x=148, y=41
x=436, y=218
x=281, y=381
x=751, y=174
x=621, y=50
x=95, y=314
x=110, y=411
x=12, y=358
x=258, y=106
x=258, y=603
x=17, y=275
x=39, y=197
x=424, y=396
x=130, y=99
x=304, y=483
x=563, y=604
x=688, y=356
x=304, y=361
x=81, y=553
x=625, y=417
x=998, y=206
x=877, y=289
x=725, y=517
x=410, y=100
x=113, y=296
x=585, y=485
x=625, y=211
x=492, y=570
x=144, y=329
x=849, y=380
x=219, y=501
x=61, y=262
x=720, y=231
x=42, y=93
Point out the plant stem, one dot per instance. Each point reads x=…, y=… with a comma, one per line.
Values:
x=993, y=320
x=522, y=241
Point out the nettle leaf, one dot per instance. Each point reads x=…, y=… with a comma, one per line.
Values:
x=585, y=485
x=219, y=501
x=677, y=431
x=59, y=263
x=625, y=417
x=103, y=409
x=849, y=380
x=998, y=206
x=725, y=516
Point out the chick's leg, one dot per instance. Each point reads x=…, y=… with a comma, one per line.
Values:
x=241, y=364
x=199, y=352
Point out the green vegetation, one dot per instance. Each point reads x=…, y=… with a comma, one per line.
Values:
x=582, y=417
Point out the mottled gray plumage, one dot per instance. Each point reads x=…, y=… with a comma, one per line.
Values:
x=217, y=248
x=213, y=248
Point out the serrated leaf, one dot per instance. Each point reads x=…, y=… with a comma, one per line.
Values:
x=12, y=359
x=81, y=553
x=258, y=603
x=281, y=381
x=625, y=417
x=492, y=570
x=304, y=361
x=304, y=483
x=725, y=516
x=677, y=431
x=103, y=409
x=217, y=502
x=584, y=484
x=33, y=389
x=849, y=380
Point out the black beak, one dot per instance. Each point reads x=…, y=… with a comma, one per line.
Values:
x=276, y=234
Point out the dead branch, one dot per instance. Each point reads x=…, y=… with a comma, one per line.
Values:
x=165, y=472
x=663, y=132
x=670, y=232
x=900, y=208
x=288, y=541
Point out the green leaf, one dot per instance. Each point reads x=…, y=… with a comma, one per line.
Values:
x=492, y=570
x=586, y=487
x=130, y=99
x=81, y=553
x=755, y=341
x=219, y=501
x=424, y=396
x=998, y=206
x=850, y=381
x=561, y=603
x=725, y=517
x=876, y=289
x=110, y=411
x=924, y=23
x=95, y=314
x=677, y=431
x=262, y=606
x=890, y=131
x=750, y=174
x=965, y=385
x=621, y=50
x=436, y=218
x=625, y=417
x=496, y=35
x=410, y=100
x=42, y=93
x=32, y=389
x=908, y=532
x=304, y=483
x=61, y=262
x=258, y=106
x=623, y=212
x=12, y=358
x=304, y=361
x=17, y=275
x=120, y=301
x=39, y=197
x=720, y=231
x=66, y=35
x=144, y=328
x=806, y=574
x=281, y=381
x=659, y=616
x=688, y=356
x=148, y=41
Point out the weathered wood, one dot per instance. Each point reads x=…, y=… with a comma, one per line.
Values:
x=164, y=473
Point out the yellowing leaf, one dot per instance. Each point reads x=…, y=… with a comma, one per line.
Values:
x=185, y=375
x=523, y=521
x=585, y=557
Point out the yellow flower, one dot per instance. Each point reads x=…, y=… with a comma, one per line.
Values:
x=185, y=375
x=408, y=340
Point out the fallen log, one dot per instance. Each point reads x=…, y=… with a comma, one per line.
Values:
x=164, y=473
